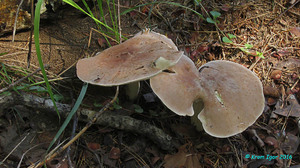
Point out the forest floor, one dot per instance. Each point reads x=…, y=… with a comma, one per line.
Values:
x=267, y=41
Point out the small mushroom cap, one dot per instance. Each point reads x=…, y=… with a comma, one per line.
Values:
x=130, y=61
x=233, y=98
x=178, y=87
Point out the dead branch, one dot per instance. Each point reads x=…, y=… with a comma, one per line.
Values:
x=108, y=118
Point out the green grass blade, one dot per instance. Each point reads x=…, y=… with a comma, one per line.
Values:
x=68, y=119
x=8, y=77
x=38, y=50
x=72, y=3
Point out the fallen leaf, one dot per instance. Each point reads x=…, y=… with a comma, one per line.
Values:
x=271, y=91
x=290, y=144
x=292, y=109
x=295, y=31
x=115, y=153
x=93, y=146
x=183, y=158
x=291, y=63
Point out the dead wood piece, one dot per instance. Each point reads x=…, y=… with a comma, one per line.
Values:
x=108, y=118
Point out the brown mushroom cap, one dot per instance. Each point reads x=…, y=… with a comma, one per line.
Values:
x=233, y=98
x=178, y=87
x=131, y=61
x=231, y=94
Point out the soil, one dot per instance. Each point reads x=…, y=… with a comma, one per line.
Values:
x=271, y=27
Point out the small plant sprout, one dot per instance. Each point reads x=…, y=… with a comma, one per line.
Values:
x=246, y=50
x=228, y=39
x=214, y=18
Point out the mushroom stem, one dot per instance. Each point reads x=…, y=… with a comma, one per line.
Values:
x=198, y=106
x=132, y=90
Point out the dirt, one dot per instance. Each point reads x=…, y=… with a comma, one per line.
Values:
x=273, y=141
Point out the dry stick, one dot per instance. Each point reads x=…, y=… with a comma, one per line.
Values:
x=14, y=149
x=90, y=123
x=119, y=23
x=103, y=34
x=20, y=80
x=16, y=20
x=31, y=32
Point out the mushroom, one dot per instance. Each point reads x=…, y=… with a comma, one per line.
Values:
x=229, y=96
x=233, y=98
x=139, y=58
x=178, y=87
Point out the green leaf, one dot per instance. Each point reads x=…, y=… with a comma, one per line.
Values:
x=215, y=14
x=226, y=40
x=209, y=20
x=138, y=108
x=260, y=54
x=248, y=46
x=231, y=36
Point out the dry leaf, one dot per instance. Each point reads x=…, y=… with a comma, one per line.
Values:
x=292, y=109
x=183, y=158
x=295, y=31
x=290, y=144
x=93, y=146
x=115, y=153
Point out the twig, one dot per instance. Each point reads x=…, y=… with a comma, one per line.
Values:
x=23, y=155
x=16, y=20
x=14, y=149
x=90, y=123
x=20, y=80
x=119, y=23
x=31, y=32
x=108, y=118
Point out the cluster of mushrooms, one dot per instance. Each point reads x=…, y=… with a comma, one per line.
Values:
x=225, y=96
